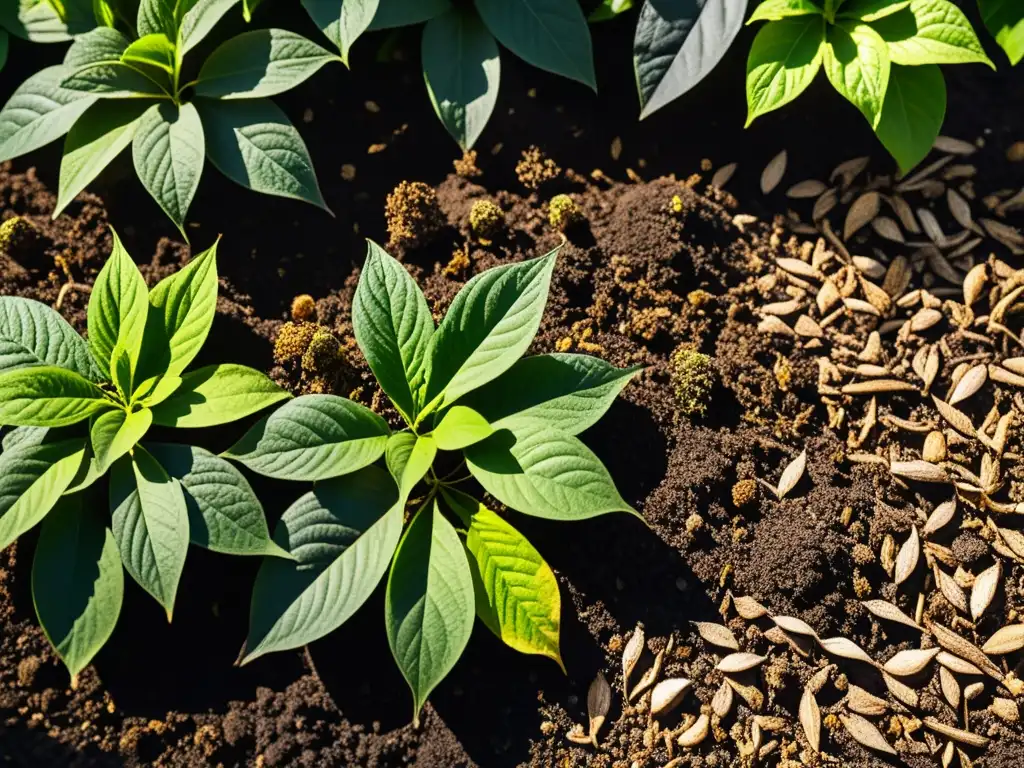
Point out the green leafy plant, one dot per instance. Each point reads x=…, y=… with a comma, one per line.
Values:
x=461, y=387
x=1005, y=20
x=82, y=409
x=882, y=55
x=460, y=55
x=112, y=91
x=47, y=21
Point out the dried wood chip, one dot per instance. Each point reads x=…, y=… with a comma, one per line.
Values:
x=906, y=560
x=739, y=662
x=888, y=228
x=846, y=649
x=804, y=189
x=950, y=687
x=599, y=701
x=964, y=737
x=863, y=210
x=900, y=690
x=795, y=626
x=810, y=719
x=722, y=702
x=940, y=516
x=922, y=471
x=984, y=589
x=696, y=733
x=865, y=733
x=956, y=664
x=970, y=383
x=960, y=209
x=722, y=175
x=906, y=663
x=667, y=694
x=954, y=146
x=791, y=475
x=773, y=172
x=748, y=608
x=951, y=590
x=717, y=634
x=864, y=703
x=631, y=655
x=965, y=649
x=1006, y=640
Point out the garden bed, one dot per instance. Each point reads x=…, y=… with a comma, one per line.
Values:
x=661, y=261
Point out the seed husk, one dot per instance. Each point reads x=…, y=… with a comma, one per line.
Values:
x=818, y=679
x=805, y=189
x=599, y=701
x=940, y=516
x=648, y=678
x=951, y=590
x=940, y=266
x=984, y=589
x=807, y=327
x=906, y=560
x=748, y=608
x=863, y=210
x=960, y=209
x=864, y=703
x=773, y=172
x=964, y=737
x=888, y=228
x=782, y=308
x=739, y=662
x=1006, y=640
x=886, y=610
x=849, y=170
x=810, y=719
x=866, y=734
x=921, y=177
x=906, y=663
x=956, y=664
x=667, y=694
x=828, y=200
x=950, y=687
x=965, y=649
x=717, y=634
x=722, y=702
x=722, y=175
x=897, y=278
x=751, y=694
x=696, y=733
x=1004, y=376
x=931, y=226
x=956, y=418
x=924, y=319
x=1004, y=233
x=905, y=214
x=791, y=475
x=795, y=626
x=900, y=690
x=846, y=649
x=798, y=268
x=922, y=471
x=870, y=267
x=887, y=559
x=970, y=383
x=631, y=655
x=874, y=386
x=974, y=283
x=953, y=146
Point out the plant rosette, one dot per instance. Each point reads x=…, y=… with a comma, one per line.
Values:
x=881, y=55
x=460, y=388
x=81, y=411
x=115, y=89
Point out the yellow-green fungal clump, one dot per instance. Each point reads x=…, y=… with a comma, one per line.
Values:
x=293, y=340
x=563, y=212
x=323, y=354
x=692, y=375
x=413, y=214
x=15, y=233
x=486, y=218
x=303, y=308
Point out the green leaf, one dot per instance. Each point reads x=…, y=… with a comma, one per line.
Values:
x=104, y=13
x=543, y=472
x=218, y=394
x=785, y=57
x=77, y=583
x=117, y=308
x=99, y=136
x=158, y=16
x=355, y=18
x=1005, y=20
x=181, y=312
x=198, y=17
x=114, y=433
x=490, y=324
x=393, y=327
x=32, y=479
x=773, y=10
x=931, y=32
x=24, y=436
x=462, y=69
x=101, y=45
x=4, y=46
x=314, y=437
x=870, y=10
x=567, y=392
x=401, y=13
x=608, y=10
x=915, y=106
x=155, y=390
x=46, y=396
x=857, y=64
x=32, y=334
x=253, y=143
x=38, y=112
x=516, y=591
x=342, y=535
x=262, y=62
x=248, y=8
x=678, y=43
x=154, y=50
x=150, y=522
x=409, y=458
x=549, y=34
x=113, y=80
x=46, y=21
x=86, y=476
x=121, y=372
x=224, y=514
x=168, y=150
x=461, y=427
x=430, y=603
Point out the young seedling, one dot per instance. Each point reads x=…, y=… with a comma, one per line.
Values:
x=460, y=388
x=82, y=409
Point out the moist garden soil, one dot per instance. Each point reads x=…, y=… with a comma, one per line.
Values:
x=659, y=262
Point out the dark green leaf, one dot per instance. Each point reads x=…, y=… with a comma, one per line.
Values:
x=46, y=396
x=32, y=334
x=32, y=479
x=1005, y=20
x=198, y=17
x=114, y=80
x=218, y=394
x=403, y=13
x=915, y=106
x=159, y=16
x=38, y=112
x=101, y=45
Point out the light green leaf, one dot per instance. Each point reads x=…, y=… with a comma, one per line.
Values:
x=154, y=50
x=168, y=151
x=181, y=312
x=117, y=308
x=32, y=479
x=46, y=21
x=263, y=62
x=104, y=13
x=32, y=334
x=549, y=34
x=608, y=10
x=99, y=136
x=150, y=523
x=77, y=583
x=409, y=458
x=461, y=427
x=393, y=327
x=785, y=57
x=462, y=69
x=314, y=437
x=86, y=476
x=198, y=17
x=342, y=535
x=857, y=65
x=101, y=45
x=218, y=394
x=223, y=512
x=931, y=32
x=248, y=8
x=915, y=106
x=158, y=16
x=567, y=392
x=38, y=112
x=429, y=604
x=113, y=80
x=24, y=436
x=46, y=396
x=516, y=592
x=870, y=10
x=773, y=10
x=1005, y=20
x=355, y=18
x=540, y=471
x=490, y=324
x=253, y=143
x=114, y=433
x=155, y=390
x=402, y=13
x=121, y=372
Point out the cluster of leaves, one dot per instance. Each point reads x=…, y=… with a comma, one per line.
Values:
x=1005, y=20
x=460, y=388
x=48, y=21
x=82, y=409
x=882, y=55
x=118, y=88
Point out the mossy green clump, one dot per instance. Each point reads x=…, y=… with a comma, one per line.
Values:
x=293, y=340
x=323, y=354
x=303, y=307
x=563, y=212
x=15, y=234
x=692, y=376
x=486, y=218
